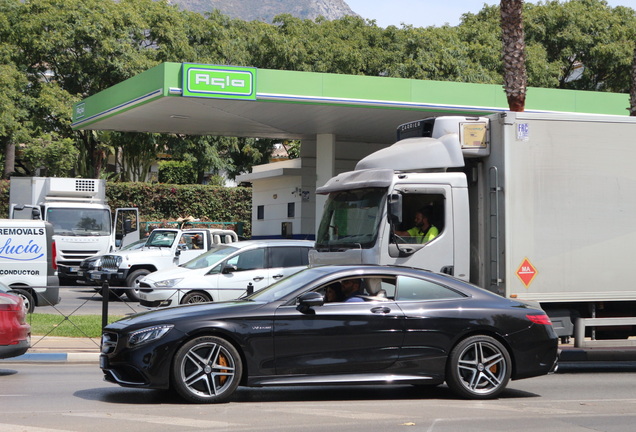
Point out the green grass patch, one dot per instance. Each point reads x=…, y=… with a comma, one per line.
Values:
x=73, y=326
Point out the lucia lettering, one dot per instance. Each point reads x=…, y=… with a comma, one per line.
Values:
x=20, y=251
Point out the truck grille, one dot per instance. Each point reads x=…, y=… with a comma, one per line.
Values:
x=110, y=263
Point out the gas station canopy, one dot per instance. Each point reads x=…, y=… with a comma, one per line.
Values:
x=188, y=98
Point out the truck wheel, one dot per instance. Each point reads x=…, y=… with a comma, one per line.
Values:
x=206, y=369
x=132, y=282
x=479, y=367
x=27, y=298
x=196, y=297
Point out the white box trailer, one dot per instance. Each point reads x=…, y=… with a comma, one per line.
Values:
x=535, y=206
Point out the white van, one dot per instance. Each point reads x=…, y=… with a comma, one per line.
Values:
x=27, y=261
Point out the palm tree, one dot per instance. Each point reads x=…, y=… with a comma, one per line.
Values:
x=514, y=53
x=632, y=87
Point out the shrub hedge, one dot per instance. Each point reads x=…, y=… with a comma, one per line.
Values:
x=165, y=202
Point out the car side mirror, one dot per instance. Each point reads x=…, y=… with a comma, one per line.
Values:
x=228, y=268
x=309, y=300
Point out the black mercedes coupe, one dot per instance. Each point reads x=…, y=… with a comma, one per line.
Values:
x=399, y=326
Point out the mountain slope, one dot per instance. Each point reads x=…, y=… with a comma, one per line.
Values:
x=266, y=10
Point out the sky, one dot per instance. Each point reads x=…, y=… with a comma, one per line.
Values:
x=423, y=13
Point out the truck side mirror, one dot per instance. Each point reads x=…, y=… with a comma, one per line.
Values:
x=35, y=213
x=127, y=226
x=394, y=208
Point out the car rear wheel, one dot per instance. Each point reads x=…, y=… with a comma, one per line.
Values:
x=196, y=297
x=206, y=369
x=27, y=298
x=479, y=367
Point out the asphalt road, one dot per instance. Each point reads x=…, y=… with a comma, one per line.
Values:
x=72, y=397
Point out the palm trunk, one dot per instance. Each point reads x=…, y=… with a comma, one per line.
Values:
x=514, y=53
x=632, y=88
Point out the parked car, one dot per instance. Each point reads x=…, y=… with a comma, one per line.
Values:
x=15, y=333
x=408, y=327
x=90, y=264
x=225, y=272
x=164, y=248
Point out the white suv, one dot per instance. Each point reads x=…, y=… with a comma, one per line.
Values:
x=225, y=272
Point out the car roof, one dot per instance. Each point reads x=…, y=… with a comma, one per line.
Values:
x=270, y=242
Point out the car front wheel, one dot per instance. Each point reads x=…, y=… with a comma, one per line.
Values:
x=206, y=369
x=479, y=367
x=196, y=297
x=132, y=282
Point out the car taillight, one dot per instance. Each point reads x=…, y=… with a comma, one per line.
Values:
x=539, y=319
x=9, y=302
x=54, y=254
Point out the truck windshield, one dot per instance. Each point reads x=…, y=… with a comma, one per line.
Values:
x=351, y=219
x=79, y=221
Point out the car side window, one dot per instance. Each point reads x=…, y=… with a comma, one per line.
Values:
x=249, y=260
x=410, y=288
x=288, y=256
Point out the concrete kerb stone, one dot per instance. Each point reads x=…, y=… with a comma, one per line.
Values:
x=60, y=349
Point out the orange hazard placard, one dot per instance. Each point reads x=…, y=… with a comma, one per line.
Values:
x=526, y=272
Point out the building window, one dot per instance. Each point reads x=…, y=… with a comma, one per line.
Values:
x=260, y=212
x=291, y=210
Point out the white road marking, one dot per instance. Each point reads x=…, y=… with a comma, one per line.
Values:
x=174, y=421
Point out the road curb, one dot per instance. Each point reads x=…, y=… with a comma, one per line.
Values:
x=54, y=358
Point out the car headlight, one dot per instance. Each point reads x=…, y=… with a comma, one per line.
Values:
x=168, y=283
x=148, y=334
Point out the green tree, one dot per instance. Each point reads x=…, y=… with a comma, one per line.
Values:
x=587, y=41
x=54, y=156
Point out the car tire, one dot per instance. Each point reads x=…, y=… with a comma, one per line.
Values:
x=196, y=297
x=132, y=282
x=206, y=369
x=27, y=298
x=479, y=367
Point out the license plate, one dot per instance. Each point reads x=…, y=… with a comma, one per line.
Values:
x=73, y=269
x=103, y=362
x=142, y=296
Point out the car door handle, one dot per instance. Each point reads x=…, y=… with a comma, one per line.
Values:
x=278, y=276
x=381, y=310
x=258, y=278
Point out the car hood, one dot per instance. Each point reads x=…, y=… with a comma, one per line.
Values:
x=170, y=315
x=173, y=273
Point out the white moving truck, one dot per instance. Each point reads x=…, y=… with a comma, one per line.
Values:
x=27, y=261
x=82, y=220
x=534, y=206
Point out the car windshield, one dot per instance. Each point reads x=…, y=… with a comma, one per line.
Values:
x=351, y=219
x=288, y=285
x=210, y=258
x=79, y=221
x=161, y=238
